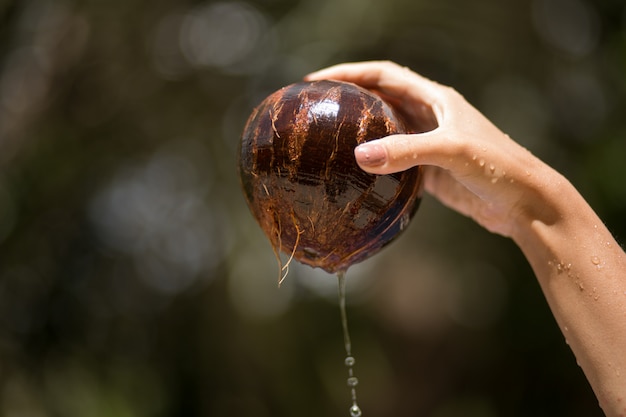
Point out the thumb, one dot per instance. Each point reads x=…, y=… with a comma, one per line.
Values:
x=400, y=152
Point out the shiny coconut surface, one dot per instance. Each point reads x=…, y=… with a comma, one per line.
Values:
x=303, y=185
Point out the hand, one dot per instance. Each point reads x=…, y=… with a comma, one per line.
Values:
x=470, y=165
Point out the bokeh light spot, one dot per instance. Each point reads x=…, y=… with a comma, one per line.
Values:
x=158, y=213
x=224, y=35
x=571, y=26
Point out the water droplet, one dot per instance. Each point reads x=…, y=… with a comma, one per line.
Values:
x=566, y=329
x=595, y=260
x=492, y=168
x=350, y=361
x=561, y=267
x=355, y=411
x=494, y=180
x=474, y=157
x=353, y=381
x=405, y=220
x=481, y=162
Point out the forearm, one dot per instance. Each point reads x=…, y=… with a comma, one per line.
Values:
x=582, y=271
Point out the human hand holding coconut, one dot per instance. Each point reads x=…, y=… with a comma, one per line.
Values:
x=477, y=170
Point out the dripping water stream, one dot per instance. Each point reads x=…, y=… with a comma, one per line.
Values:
x=355, y=411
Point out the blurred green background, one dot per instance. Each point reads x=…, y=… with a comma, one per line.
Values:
x=134, y=281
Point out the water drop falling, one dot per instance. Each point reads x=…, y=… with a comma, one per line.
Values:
x=355, y=411
x=352, y=381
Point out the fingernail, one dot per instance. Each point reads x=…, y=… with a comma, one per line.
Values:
x=370, y=154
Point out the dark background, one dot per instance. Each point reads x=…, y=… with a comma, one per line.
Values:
x=134, y=281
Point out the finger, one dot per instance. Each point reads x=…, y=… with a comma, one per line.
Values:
x=387, y=77
x=399, y=152
x=417, y=98
x=444, y=186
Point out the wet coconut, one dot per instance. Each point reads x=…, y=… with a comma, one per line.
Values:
x=307, y=192
x=302, y=182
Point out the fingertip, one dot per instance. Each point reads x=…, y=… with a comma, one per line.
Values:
x=373, y=157
x=311, y=77
x=370, y=154
x=324, y=73
x=393, y=153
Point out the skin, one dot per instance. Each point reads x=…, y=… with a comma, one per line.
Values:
x=474, y=168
